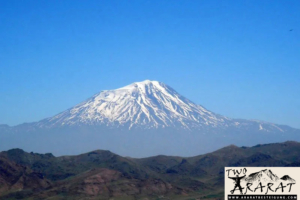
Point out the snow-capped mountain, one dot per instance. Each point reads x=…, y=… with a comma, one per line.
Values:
x=151, y=104
x=147, y=104
x=142, y=119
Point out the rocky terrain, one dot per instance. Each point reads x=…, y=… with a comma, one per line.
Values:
x=104, y=175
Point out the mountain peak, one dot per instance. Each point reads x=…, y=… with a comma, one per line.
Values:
x=143, y=85
x=140, y=118
x=147, y=104
x=147, y=82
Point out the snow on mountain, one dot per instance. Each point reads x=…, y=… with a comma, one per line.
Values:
x=142, y=119
x=147, y=104
x=150, y=104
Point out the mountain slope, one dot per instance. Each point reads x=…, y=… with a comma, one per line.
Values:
x=147, y=105
x=15, y=177
x=142, y=119
x=101, y=174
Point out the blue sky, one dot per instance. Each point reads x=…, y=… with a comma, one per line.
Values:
x=240, y=59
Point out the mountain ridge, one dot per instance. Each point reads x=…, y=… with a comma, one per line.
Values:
x=138, y=120
x=151, y=104
x=101, y=174
x=147, y=105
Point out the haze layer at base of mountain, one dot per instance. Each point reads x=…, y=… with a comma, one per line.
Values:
x=141, y=119
x=102, y=174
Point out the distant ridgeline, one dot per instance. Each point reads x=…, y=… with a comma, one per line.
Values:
x=104, y=175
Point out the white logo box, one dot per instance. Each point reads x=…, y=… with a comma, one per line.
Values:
x=262, y=183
